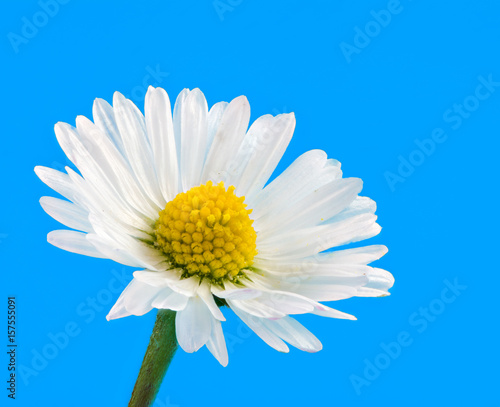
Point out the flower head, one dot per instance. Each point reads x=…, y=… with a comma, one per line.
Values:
x=207, y=232
x=184, y=199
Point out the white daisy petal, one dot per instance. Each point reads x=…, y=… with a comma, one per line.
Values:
x=351, y=230
x=235, y=293
x=277, y=302
x=328, y=312
x=227, y=140
x=161, y=136
x=118, y=311
x=207, y=297
x=74, y=242
x=168, y=299
x=299, y=296
x=359, y=255
x=267, y=211
x=101, y=207
x=193, y=325
x=359, y=206
x=136, y=299
x=379, y=282
x=102, y=183
x=288, y=302
x=156, y=278
x=261, y=166
x=67, y=213
x=257, y=308
x=283, y=302
x=325, y=292
x=139, y=300
x=307, y=242
x=67, y=137
x=326, y=279
x=58, y=181
x=216, y=343
x=132, y=127
x=114, y=165
x=108, y=250
x=332, y=282
x=294, y=333
x=177, y=120
x=193, y=127
x=121, y=232
x=371, y=292
x=307, y=267
x=122, y=240
x=257, y=325
x=323, y=203
x=104, y=118
x=71, y=142
x=186, y=286
x=299, y=174
x=251, y=145
x=171, y=278
x=213, y=121
x=96, y=143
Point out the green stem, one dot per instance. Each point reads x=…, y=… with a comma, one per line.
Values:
x=161, y=349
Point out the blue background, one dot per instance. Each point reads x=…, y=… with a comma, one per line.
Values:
x=366, y=110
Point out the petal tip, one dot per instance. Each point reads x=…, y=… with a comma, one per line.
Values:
x=223, y=361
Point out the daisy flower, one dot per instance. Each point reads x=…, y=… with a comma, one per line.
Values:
x=184, y=198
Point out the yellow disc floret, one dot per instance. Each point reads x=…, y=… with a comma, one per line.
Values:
x=207, y=231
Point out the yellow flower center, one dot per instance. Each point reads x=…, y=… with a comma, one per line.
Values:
x=207, y=231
